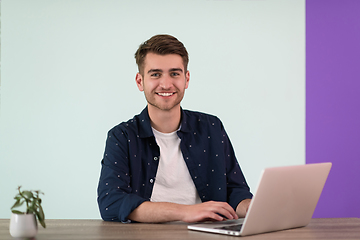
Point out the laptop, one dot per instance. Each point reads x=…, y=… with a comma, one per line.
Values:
x=286, y=198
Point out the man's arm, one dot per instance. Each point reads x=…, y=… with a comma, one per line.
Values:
x=166, y=212
x=243, y=207
x=115, y=197
x=237, y=188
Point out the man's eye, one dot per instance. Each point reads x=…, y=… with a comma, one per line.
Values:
x=155, y=75
x=174, y=74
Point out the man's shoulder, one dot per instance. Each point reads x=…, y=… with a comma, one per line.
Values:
x=124, y=126
x=130, y=125
x=203, y=125
x=138, y=125
x=199, y=115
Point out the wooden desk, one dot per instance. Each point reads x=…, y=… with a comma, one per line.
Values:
x=324, y=228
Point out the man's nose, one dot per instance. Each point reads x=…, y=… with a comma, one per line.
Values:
x=165, y=82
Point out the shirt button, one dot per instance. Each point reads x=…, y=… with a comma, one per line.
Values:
x=151, y=180
x=156, y=158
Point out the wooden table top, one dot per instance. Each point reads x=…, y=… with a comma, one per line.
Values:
x=321, y=228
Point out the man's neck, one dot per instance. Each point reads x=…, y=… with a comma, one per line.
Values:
x=165, y=121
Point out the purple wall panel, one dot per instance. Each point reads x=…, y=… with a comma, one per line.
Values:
x=333, y=101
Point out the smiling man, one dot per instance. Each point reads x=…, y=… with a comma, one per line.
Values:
x=163, y=79
x=167, y=163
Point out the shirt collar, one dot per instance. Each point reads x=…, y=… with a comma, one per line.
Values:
x=185, y=126
x=145, y=130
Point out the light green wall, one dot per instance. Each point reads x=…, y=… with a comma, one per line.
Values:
x=68, y=77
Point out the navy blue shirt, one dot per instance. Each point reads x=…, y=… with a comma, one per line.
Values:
x=131, y=160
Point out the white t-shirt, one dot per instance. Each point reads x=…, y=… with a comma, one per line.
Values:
x=173, y=182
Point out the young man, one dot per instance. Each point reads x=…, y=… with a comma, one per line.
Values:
x=169, y=164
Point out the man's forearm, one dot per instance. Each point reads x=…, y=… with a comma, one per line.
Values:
x=243, y=207
x=167, y=212
x=156, y=212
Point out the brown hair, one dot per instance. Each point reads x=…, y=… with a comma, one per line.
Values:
x=162, y=45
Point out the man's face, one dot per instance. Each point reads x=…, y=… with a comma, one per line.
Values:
x=164, y=81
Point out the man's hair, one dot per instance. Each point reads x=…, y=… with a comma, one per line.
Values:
x=162, y=45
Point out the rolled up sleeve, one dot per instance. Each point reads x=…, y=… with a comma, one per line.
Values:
x=115, y=198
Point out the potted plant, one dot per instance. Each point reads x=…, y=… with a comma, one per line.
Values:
x=24, y=224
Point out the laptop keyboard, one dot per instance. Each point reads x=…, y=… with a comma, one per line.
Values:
x=232, y=227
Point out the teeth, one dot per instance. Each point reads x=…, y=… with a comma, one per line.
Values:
x=165, y=94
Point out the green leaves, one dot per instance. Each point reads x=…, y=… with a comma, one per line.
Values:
x=18, y=203
x=41, y=216
x=33, y=204
x=27, y=195
x=17, y=212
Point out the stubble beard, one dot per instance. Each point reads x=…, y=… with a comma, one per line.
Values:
x=166, y=106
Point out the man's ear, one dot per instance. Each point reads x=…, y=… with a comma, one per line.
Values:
x=139, y=82
x=187, y=78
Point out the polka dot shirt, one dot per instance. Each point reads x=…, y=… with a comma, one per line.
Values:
x=131, y=160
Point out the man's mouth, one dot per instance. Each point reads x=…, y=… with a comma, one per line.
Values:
x=165, y=94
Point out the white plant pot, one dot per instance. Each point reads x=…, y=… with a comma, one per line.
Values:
x=23, y=225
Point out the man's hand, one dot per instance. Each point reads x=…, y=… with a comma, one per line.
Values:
x=166, y=212
x=207, y=211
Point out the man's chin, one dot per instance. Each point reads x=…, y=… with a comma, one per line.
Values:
x=163, y=107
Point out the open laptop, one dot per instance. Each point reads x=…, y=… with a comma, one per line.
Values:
x=286, y=197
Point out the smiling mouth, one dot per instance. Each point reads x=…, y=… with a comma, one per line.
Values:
x=165, y=94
